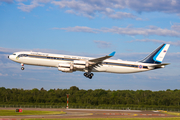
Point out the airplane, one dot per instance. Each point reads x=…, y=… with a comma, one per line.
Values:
x=69, y=63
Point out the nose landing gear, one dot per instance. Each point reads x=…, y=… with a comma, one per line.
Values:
x=22, y=68
x=90, y=75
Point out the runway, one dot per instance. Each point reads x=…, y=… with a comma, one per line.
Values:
x=104, y=110
x=88, y=113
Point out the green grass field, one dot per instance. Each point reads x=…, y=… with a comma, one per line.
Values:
x=110, y=119
x=28, y=112
x=172, y=113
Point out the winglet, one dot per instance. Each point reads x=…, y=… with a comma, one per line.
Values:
x=112, y=54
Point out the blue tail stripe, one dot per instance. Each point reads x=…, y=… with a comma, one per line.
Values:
x=151, y=58
x=155, y=57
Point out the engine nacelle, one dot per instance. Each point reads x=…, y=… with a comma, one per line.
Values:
x=80, y=64
x=64, y=65
x=64, y=69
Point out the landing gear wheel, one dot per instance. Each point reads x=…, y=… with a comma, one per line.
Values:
x=91, y=74
x=22, y=68
x=88, y=75
x=85, y=74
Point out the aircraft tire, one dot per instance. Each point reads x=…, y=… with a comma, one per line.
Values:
x=85, y=74
x=91, y=74
x=22, y=68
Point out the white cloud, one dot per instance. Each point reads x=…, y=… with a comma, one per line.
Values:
x=28, y=8
x=78, y=29
x=34, y=4
x=121, y=15
x=151, y=30
x=176, y=27
x=3, y=74
x=82, y=8
x=102, y=44
x=9, y=50
x=177, y=43
x=91, y=8
x=7, y=1
x=74, y=12
x=21, y=0
x=43, y=1
x=142, y=31
x=166, y=6
x=110, y=8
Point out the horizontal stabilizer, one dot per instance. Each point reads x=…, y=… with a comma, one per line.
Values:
x=158, y=65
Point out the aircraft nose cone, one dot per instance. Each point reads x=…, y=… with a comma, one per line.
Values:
x=9, y=56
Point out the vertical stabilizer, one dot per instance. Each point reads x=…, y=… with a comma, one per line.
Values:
x=157, y=55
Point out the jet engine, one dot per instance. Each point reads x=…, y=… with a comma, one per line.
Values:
x=80, y=64
x=66, y=67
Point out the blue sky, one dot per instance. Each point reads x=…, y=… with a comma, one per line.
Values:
x=89, y=28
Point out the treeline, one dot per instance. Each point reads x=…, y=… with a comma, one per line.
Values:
x=98, y=97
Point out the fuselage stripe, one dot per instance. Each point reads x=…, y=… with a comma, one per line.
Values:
x=68, y=59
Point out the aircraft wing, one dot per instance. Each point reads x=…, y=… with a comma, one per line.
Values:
x=99, y=60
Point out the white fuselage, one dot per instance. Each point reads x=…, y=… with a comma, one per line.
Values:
x=54, y=60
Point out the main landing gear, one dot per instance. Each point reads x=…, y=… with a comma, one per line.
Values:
x=90, y=75
x=22, y=68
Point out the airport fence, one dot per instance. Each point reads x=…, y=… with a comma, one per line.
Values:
x=88, y=107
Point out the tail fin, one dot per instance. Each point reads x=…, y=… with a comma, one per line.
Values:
x=157, y=55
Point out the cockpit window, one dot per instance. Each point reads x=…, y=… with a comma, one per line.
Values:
x=22, y=55
x=14, y=54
